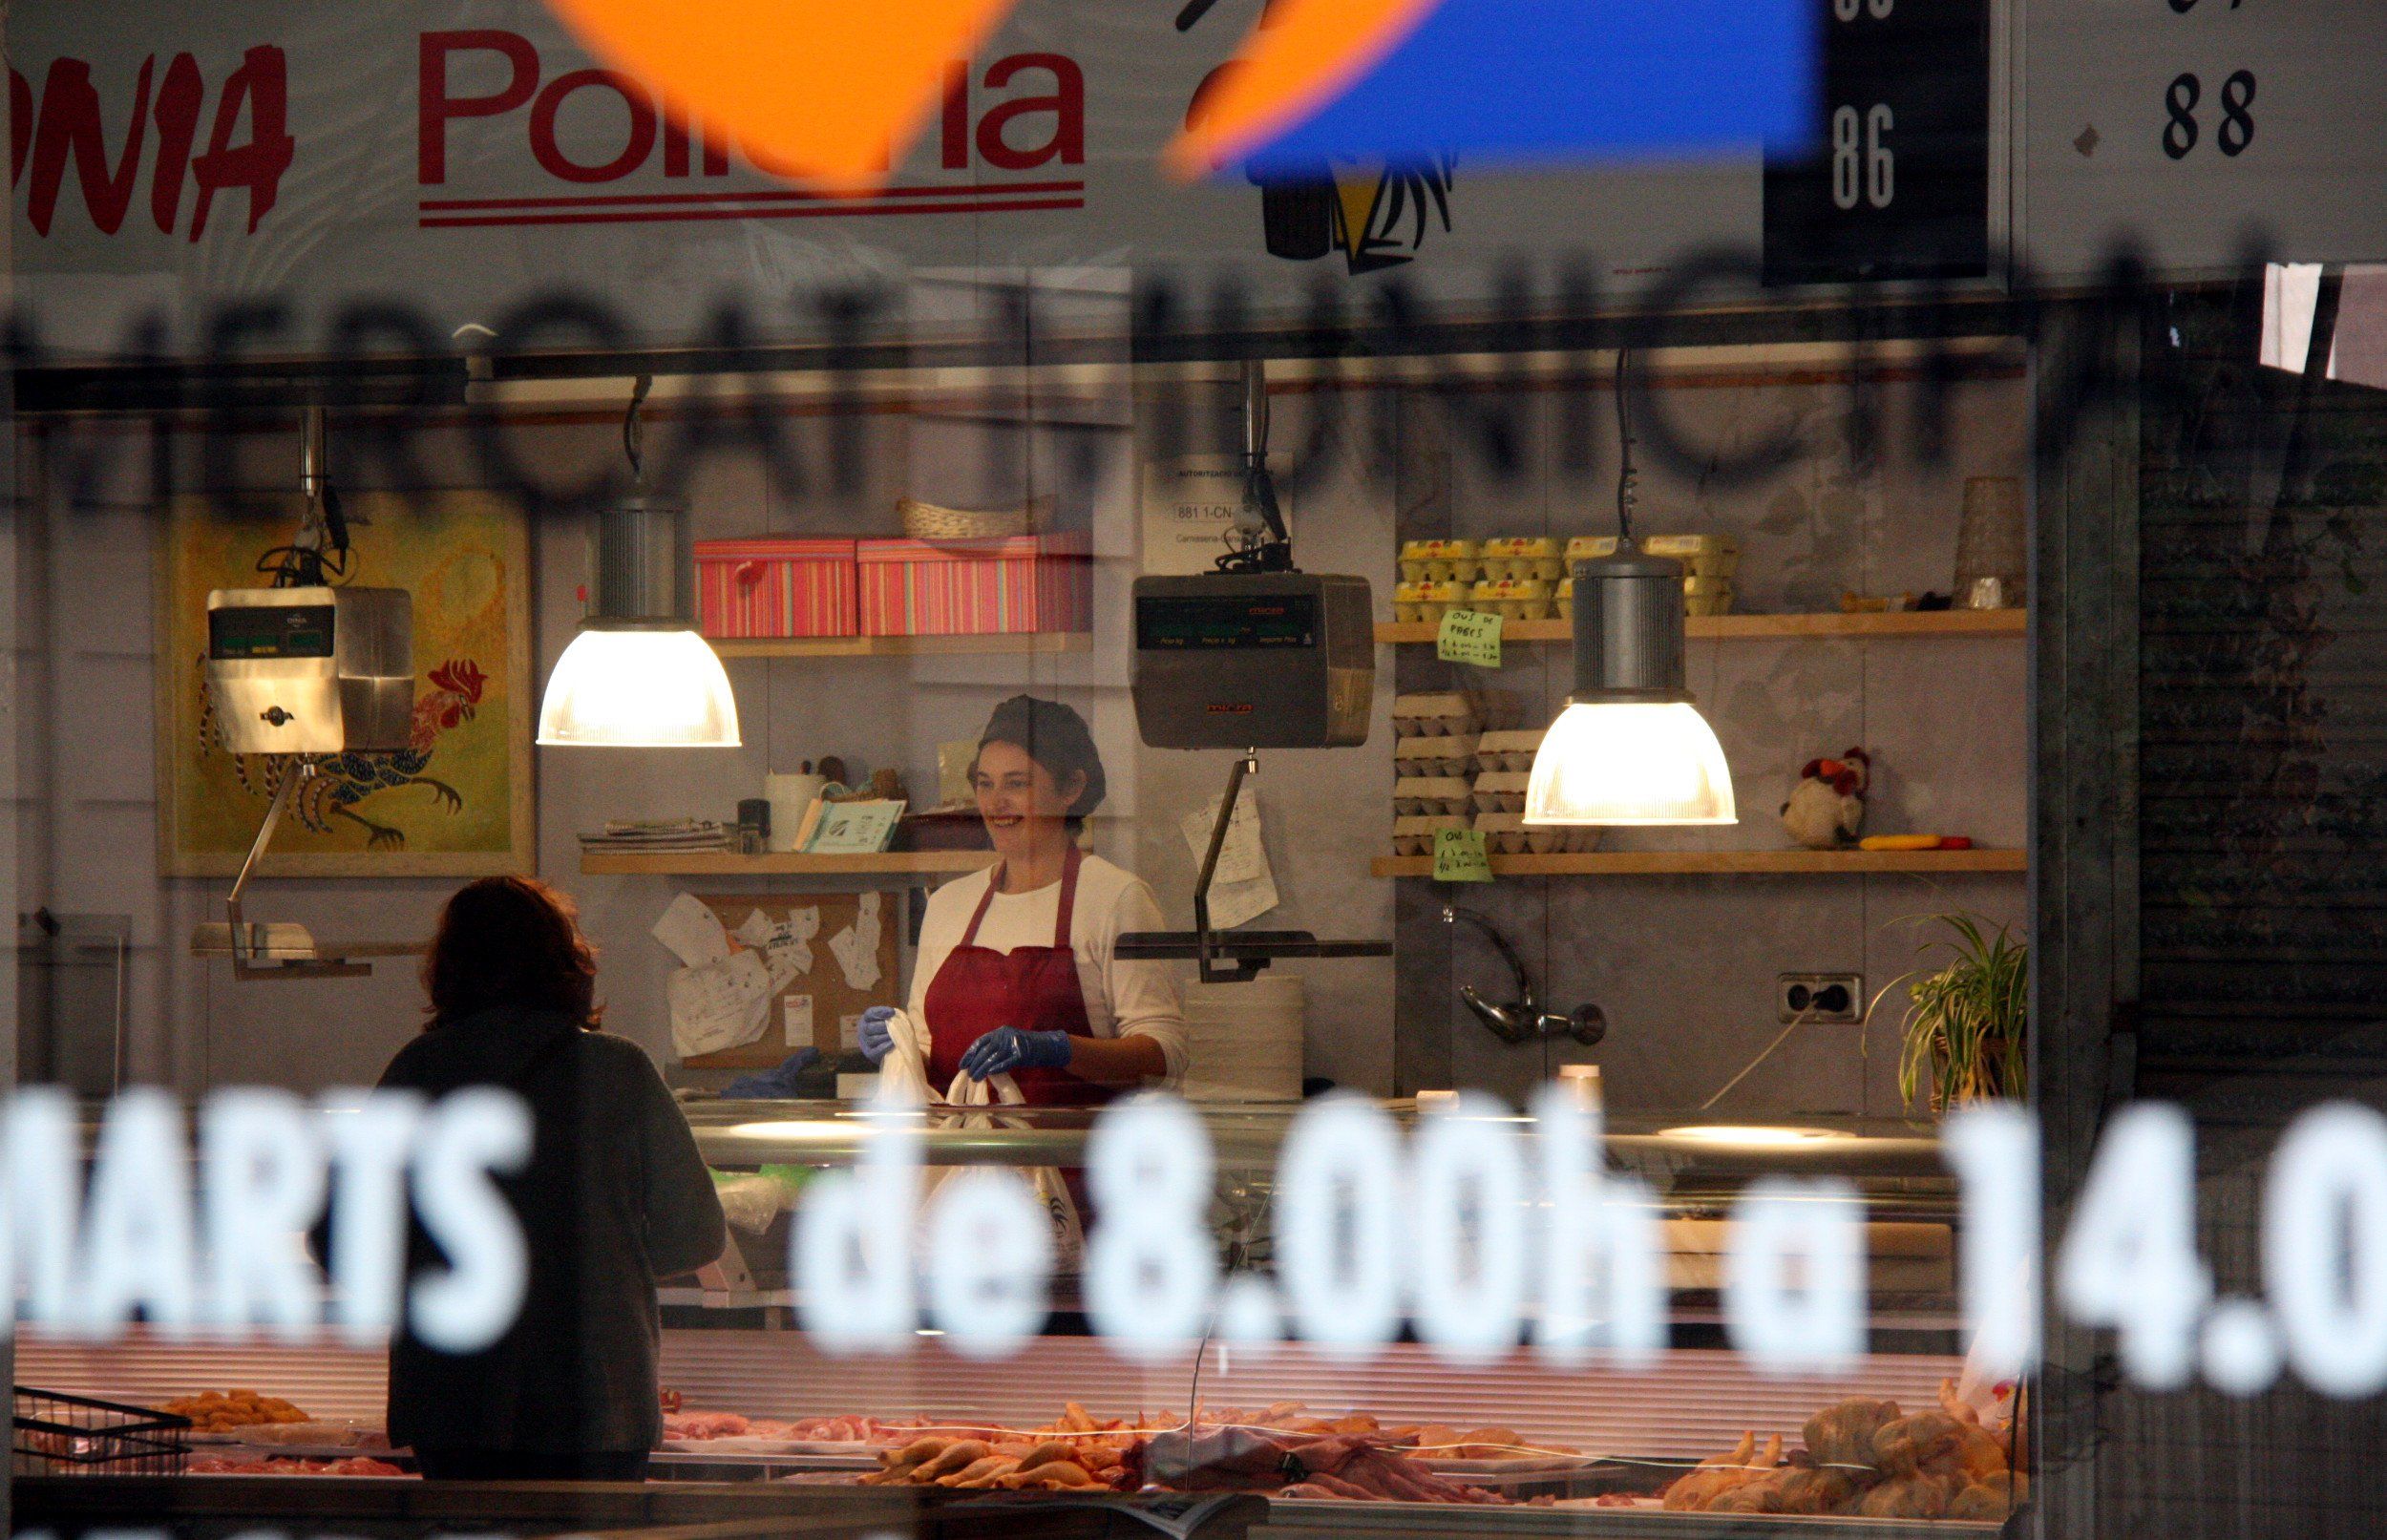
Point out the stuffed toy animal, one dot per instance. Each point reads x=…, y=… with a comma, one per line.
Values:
x=1827, y=808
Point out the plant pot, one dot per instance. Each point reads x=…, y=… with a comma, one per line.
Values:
x=1985, y=1083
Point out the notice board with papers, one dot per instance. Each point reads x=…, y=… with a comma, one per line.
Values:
x=844, y=961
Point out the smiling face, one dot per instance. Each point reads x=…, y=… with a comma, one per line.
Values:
x=1020, y=799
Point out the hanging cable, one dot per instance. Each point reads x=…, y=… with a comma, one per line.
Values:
x=633, y=437
x=318, y=552
x=1259, y=541
x=1628, y=489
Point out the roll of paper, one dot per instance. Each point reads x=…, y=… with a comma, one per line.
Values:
x=791, y=796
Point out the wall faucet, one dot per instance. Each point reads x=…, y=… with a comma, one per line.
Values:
x=1522, y=1020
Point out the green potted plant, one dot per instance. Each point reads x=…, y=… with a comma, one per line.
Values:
x=1965, y=1023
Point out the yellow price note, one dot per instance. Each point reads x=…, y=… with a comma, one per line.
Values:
x=1459, y=857
x=1470, y=636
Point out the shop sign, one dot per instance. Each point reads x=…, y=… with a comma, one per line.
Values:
x=180, y=165
x=1480, y=1231
x=142, y=1239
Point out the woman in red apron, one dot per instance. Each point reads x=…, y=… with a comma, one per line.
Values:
x=1007, y=961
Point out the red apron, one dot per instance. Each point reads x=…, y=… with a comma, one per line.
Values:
x=1034, y=988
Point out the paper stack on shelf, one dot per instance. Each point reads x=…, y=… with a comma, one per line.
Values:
x=660, y=834
x=1244, y=1040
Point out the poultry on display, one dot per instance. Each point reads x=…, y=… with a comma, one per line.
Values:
x=1720, y=1474
x=1843, y=1434
x=1801, y=1486
x=1870, y=1458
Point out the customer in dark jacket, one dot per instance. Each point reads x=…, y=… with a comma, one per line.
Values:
x=615, y=1197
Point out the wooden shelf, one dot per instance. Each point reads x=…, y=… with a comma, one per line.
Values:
x=728, y=864
x=902, y=646
x=1740, y=863
x=1942, y=623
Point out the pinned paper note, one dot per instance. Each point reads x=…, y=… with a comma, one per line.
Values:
x=756, y=930
x=850, y=1033
x=1241, y=856
x=857, y=947
x=782, y=943
x=1242, y=887
x=692, y=932
x=720, y=1004
x=787, y=961
x=1470, y=636
x=1459, y=857
x=797, y=1012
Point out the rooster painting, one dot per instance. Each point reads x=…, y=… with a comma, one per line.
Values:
x=343, y=780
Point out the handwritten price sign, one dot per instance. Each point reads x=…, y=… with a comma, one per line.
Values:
x=1468, y=636
x=1459, y=857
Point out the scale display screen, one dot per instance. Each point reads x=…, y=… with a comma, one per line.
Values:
x=270, y=631
x=1225, y=623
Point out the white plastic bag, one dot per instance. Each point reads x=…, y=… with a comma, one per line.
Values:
x=903, y=1082
x=751, y=1202
x=904, y=1074
x=1068, y=1230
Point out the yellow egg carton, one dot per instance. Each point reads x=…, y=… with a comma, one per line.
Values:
x=1429, y=601
x=1432, y=795
x=1415, y=835
x=1523, y=556
x=1514, y=599
x=1507, y=834
x=1435, y=754
x=1435, y=561
x=1700, y=596
x=1702, y=556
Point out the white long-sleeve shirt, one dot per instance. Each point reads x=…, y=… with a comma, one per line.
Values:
x=1122, y=999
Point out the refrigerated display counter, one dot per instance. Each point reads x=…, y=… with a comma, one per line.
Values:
x=1403, y=1440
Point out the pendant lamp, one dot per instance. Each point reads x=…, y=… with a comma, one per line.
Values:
x=638, y=675
x=1630, y=749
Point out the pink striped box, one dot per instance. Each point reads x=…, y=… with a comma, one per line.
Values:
x=1037, y=582
x=775, y=586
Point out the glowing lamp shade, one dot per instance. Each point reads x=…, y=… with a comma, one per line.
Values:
x=639, y=688
x=1630, y=762
x=1630, y=748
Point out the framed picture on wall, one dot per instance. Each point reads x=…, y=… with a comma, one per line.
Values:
x=458, y=800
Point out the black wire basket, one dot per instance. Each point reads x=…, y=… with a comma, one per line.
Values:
x=63, y=1435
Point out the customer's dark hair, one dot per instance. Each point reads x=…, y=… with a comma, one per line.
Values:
x=1055, y=737
x=510, y=942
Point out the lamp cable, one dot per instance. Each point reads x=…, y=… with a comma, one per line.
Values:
x=1628, y=479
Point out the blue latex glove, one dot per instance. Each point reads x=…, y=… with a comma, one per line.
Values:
x=1006, y=1048
x=876, y=1040
x=773, y=1084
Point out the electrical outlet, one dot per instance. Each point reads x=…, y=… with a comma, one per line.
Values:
x=1829, y=997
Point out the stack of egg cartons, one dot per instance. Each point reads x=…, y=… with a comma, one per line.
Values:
x=1436, y=578
x=1433, y=755
x=1244, y=1040
x=1504, y=768
x=1521, y=577
x=1709, y=563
